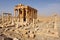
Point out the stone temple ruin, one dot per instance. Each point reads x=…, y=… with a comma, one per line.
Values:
x=27, y=25
x=24, y=13
x=6, y=17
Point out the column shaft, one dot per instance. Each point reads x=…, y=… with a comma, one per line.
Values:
x=22, y=15
x=2, y=19
x=14, y=15
x=26, y=15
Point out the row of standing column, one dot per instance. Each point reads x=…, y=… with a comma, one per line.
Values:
x=18, y=12
x=6, y=18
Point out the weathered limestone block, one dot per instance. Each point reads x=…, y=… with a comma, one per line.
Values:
x=15, y=39
x=26, y=35
x=31, y=35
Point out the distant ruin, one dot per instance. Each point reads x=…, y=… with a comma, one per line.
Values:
x=6, y=17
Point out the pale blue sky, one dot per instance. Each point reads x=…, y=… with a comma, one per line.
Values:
x=44, y=7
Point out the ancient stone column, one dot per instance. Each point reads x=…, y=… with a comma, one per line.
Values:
x=22, y=15
x=17, y=12
x=32, y=16
x=26, y=15
x=11, y=17
x=2, y=18
x=18, y=18
x=7, y=17
x=33, y=19
x=33, y=22
x=14, y=15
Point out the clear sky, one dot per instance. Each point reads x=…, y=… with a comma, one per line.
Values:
x=44, y=7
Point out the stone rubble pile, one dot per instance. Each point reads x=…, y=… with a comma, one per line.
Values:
x=37, y=31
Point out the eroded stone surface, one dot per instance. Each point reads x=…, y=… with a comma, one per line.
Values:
x=33, y=28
